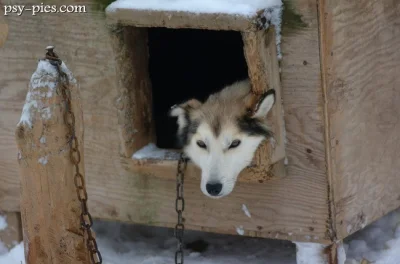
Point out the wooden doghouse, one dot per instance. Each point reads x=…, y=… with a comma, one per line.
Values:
x=264, y=187
x=339, y=76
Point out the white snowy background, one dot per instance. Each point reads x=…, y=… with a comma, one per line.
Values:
x=379, y=243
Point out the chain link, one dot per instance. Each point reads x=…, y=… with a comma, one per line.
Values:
x=75, y=157
x=180, y=207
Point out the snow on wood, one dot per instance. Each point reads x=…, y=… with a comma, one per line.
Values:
x=49, y=204
x=41, y=87
x=246, y=210
x=261, y=12
x=3, y=222
x=235, y=7
x=240, y=230
x=151, y=151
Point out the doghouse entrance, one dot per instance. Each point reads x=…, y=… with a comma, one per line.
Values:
x=189, y=63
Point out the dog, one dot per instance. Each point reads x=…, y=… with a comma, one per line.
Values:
x=221, y=135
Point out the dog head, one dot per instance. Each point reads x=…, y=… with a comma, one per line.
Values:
x=222, y=134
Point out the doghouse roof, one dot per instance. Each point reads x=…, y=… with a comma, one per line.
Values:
x=240, y=15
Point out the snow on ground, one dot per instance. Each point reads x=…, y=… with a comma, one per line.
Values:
x=379, y=243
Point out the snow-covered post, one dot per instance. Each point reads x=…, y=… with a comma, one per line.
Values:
x=50, y=209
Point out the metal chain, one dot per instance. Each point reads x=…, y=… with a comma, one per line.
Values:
x=75, y=156
x=180, y=207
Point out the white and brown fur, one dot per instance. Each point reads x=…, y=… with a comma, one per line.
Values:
x=210, y=132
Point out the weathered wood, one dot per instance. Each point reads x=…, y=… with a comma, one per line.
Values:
x=176, y=19
x=293, y=207
x=12, y=234
x=50, y=209
x=361, y=68
x=3, y=31
x=166, y=169
x=262, y=62
x=134, y=102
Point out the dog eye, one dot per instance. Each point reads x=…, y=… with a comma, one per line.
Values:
x=201, y=144
x=235, y=143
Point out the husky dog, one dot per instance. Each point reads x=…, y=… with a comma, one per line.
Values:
x=222, y=134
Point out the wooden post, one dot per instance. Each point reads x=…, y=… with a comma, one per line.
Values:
x=50, y=210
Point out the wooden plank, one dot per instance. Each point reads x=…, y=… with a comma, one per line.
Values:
x=261, y=56
x=293, y=207
x=166, y=169
x=177, y=19
x=361, y=69
x=134, y=88
x=50, y=210
x=12, y=234
x=303, y=103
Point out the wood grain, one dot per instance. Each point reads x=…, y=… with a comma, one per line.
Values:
x=50, y=210
x=293, y=207
x=174, y=19
x=134, y=102
x=262, y=62
x=361, y=69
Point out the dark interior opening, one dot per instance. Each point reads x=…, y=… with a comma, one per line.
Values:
x=190, y=63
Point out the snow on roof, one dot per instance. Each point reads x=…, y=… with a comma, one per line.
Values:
x=234, y=7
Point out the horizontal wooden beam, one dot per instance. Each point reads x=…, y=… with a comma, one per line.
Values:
x=175, y=19
x=166, y=169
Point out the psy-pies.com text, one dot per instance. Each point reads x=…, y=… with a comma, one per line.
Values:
x=37, y=9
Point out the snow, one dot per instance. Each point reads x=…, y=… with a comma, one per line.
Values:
x=151, y=151
x=43, y=160
x=240, y=230
x=378, y=243
x=311, y=253
x=3, y=223
x=246, y=210
x=44, y=77
x=15, y=256
x=235, y=7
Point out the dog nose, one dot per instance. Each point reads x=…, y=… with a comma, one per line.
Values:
x=214, y=188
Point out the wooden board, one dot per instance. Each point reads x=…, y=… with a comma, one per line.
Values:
x=134, y=100
x=293, y=207
x=50, y=209
x=361, y=69
x=175, y=19
x=262, y=62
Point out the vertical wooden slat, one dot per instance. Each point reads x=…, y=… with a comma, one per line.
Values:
x=261, y=56
x=134, y=102
x=50, y=209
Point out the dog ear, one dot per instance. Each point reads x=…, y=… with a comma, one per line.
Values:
x=264, y=104
x=181, y=111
